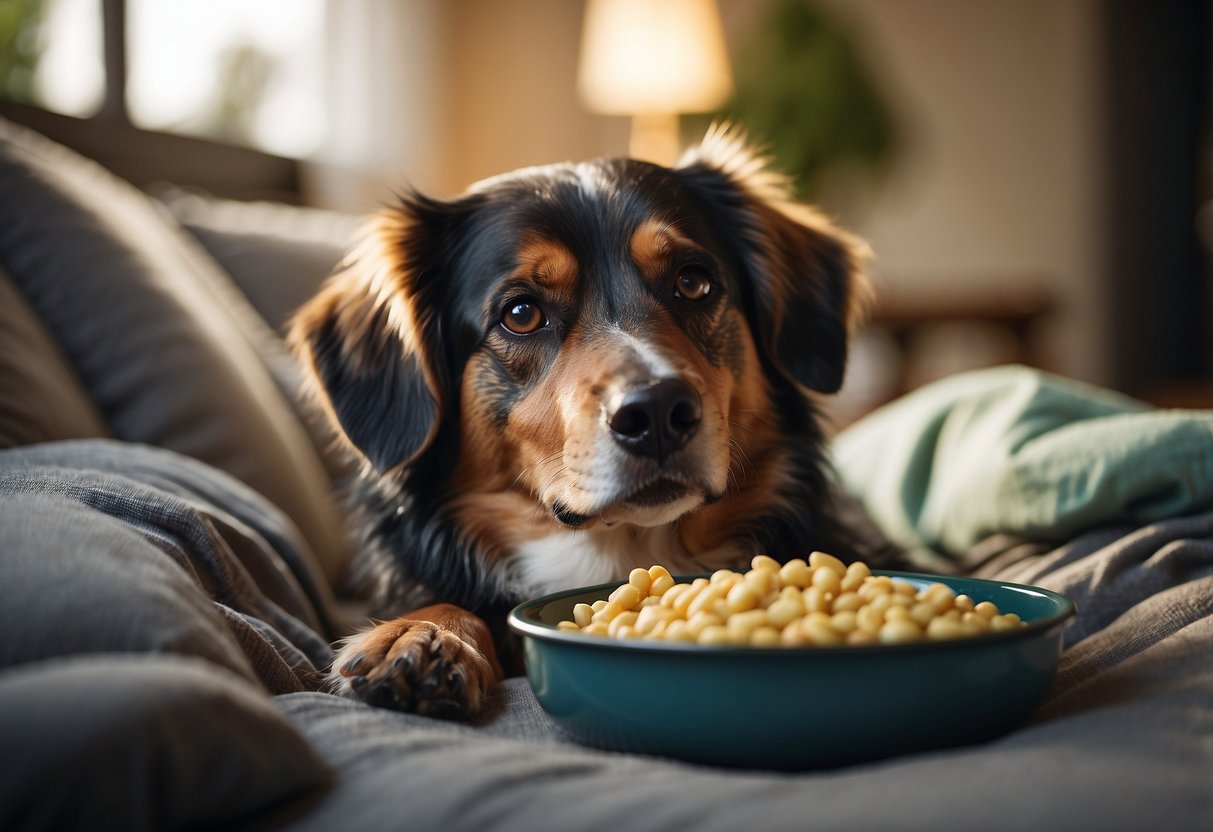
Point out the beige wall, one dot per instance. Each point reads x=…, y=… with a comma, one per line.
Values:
x=999, y=175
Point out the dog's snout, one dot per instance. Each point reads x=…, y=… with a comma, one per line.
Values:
x=657, y=420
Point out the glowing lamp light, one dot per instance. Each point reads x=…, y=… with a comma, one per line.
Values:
x=652, y=60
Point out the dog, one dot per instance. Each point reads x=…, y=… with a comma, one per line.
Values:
x=568, y=372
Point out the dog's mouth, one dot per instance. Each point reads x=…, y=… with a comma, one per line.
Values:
x=657, y=493
x=653, y=494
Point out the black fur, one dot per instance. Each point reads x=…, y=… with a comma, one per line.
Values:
x=412, y=550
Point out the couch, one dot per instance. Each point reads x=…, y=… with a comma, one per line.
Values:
x=173, y=561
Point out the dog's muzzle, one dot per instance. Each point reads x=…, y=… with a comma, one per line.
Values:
x=657, y=420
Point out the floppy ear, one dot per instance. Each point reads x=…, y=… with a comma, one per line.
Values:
x=804, y=277
x=362, y=339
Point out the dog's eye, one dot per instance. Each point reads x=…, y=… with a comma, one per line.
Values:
x=692, y=284
x=522, y=317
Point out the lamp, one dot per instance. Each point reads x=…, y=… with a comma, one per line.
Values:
x=652, y=60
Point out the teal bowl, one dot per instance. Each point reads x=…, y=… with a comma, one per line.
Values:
x=793, y=708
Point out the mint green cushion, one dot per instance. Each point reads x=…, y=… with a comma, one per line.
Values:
x=1020, y=452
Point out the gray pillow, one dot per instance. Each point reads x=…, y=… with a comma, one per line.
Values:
x=143, y=742
x=277, y=254
x=157, y=335
x=40, y=398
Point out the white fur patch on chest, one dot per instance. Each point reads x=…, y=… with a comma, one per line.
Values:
x=574, y=558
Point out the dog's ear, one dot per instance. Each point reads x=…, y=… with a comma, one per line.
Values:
x=804, y=278
x=363, y=339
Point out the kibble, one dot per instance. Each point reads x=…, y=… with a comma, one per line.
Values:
x=819, y=601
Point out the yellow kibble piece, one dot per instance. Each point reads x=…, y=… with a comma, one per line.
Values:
x=673, y=593
x=743, y=624
x=783, y=610
x=922, y=613
x=626, y=596
x=582, y=613
x=803, y=603
x=608, y=612
x=793, y=636
x=766, y=636
x=705, y=600
x=657, y=633
x=827, y=580
x=821, y=560
x=700, y=621
x=856, y=574
x=816, y=600
x=900, y=631
x=820, y=633
x=760, y=581
x=940, y=597
x=847, y=601
x=658, y=571
x=742, y=598
x=874, y=587
x=882, y=603
x=660, y=586
x=641, y=579
x=650, y=617
x=843, y=622
x=861, y=638
x=764, y=562
x=716, y=634
x=624, y=619
x=869, y=620
x=795, y=573
x=942, y=629
x=684, y=601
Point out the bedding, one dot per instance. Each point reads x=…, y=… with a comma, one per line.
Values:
x=1123, y=740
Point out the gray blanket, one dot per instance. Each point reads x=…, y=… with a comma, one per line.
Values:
x=164, y=634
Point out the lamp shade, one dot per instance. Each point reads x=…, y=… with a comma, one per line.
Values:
x=653, y=56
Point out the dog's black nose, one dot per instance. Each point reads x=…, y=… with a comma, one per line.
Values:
x=657, y=420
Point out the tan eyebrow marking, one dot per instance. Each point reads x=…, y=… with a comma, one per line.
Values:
x=654, y=243
x=548, y=263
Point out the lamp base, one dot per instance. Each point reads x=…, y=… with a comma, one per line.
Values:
x=655, y=138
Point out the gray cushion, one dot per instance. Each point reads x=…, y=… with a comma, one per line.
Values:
x=40, y=398
x=277, y=254
x=159, y=338
x=110, y=547
x=143, y=743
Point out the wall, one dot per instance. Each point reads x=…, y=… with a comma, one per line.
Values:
x=998, y=178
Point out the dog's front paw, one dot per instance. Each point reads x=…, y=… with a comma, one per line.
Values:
x=418, y=666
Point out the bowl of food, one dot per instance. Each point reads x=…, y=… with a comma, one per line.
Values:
x=788, y=667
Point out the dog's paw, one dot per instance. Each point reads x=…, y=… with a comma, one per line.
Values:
x=418, y=666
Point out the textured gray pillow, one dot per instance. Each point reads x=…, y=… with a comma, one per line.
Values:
x=40, y=398
x=143, y=742
x=277, y=254
x=157, y=335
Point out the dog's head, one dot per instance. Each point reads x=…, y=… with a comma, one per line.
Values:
x=611, y=342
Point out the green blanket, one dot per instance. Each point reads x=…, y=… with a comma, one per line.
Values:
x=1020, y=452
